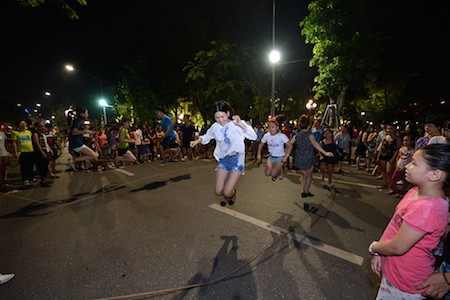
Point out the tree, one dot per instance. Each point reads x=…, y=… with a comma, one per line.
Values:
x=225, y=72
x=61, y=4
x=345, y=46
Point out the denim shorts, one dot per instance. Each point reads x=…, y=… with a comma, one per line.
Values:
x=273, y=160
x=78, y=149
x=231, y=163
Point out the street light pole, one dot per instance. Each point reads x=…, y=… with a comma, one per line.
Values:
x=272, y=100
x=71, y=68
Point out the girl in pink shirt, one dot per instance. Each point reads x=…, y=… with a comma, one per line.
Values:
x=403, y=256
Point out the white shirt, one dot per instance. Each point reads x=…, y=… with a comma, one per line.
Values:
x=439, y=139
x=3, y=151
x=275, y=143
x=138, y=137
x=229, y=139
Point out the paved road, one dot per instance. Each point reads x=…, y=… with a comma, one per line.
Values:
x=127, y=233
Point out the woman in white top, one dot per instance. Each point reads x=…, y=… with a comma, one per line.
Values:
x=4, y=161
x=278, y=155
x=229, y=131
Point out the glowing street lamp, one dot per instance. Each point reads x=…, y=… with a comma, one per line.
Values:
x=102, y=102
x=310, y=105
x=274, y=58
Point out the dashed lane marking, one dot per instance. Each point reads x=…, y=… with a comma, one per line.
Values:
x=316, y=244
x=124, y=172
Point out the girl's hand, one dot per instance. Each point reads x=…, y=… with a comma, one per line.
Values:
x=194, y=143
x=375, y=265
x=237, y=119
x=329, y=154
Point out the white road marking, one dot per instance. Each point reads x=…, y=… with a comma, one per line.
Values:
x=316, y=244
x=124, y=172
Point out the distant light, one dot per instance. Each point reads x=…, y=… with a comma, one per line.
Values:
x=38, y=104
x=102, y=102
x=47, y=93
x=19, y=104
x=35, y=110
x=26, y=110
x=47, y=121
x=53, y=117
x=69, y=68
x=363, y=113
x=443, y=102
x=274, y=56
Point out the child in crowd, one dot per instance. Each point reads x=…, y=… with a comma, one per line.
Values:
x=146, y=149
x=403, y=256
x=278, y=155
x=405, y=154
x=229, y=132
x=328, y=144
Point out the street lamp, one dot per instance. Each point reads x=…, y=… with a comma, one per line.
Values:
x=311, y=105
x=103, y=104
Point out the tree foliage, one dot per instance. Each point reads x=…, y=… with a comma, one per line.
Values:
x=61, y=4
x=225, y=72
x=345, y=44
x=374, y=52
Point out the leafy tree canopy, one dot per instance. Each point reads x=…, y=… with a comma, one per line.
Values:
x=225, y=72
x=61, y=4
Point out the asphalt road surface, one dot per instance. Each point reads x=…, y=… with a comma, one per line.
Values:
x=150, y=231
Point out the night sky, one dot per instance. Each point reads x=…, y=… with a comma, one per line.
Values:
x=36, y=43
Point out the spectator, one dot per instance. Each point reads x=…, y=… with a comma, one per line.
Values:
x=343, y=140
x=404, y=254
x=187, y=131
x=5, y=157
x=304, y=154
x=23, y=149
x=42, y=152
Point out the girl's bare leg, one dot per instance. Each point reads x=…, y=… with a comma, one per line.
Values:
x=308, y=179
x=87, y=154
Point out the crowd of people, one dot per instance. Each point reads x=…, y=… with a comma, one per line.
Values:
x=415, y=157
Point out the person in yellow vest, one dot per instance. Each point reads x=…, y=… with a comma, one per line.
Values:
x=23, y=149
x=123, y=147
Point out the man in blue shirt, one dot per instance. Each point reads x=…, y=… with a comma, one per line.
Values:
x=169, y=140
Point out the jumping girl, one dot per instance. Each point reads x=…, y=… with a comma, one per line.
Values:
x=76, y=139
x=229, y=132
x=278, y=153
x=403, y=256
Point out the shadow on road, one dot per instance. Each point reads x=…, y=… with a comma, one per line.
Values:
x=225, y=263
x=157, y=184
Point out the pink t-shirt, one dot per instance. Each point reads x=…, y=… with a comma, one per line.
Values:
x=427, y=215
x=102, y=140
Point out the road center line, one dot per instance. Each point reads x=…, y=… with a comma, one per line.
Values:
x=316, y=244
x=124, y=172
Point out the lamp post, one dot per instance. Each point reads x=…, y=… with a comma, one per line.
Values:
x=310, y=105
x=274, y=58
x=71, y=68
x=104, y=105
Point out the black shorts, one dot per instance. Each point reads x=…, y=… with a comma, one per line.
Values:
x=169, y=142
x=121, y=151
